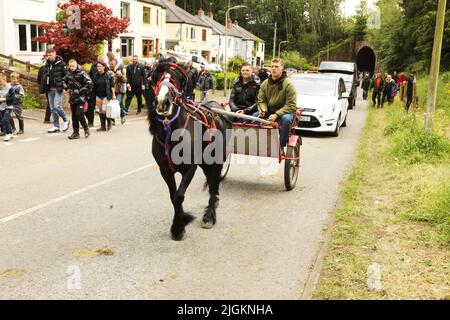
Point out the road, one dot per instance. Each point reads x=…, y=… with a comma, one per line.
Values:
x=63, y=200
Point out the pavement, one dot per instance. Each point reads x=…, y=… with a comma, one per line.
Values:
x=90, y=219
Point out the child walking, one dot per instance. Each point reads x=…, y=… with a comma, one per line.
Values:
x=4, y=89
x=14, y=100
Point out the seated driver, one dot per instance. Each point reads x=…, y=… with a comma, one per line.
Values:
x=244, y=96
x=277, y=100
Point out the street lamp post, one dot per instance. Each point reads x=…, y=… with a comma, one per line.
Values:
x=279, y=47
x=226, y=47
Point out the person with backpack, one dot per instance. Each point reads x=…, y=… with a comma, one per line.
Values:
x=79, y=86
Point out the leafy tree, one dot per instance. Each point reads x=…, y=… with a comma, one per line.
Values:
x=97, y=25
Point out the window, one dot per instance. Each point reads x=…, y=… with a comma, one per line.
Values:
x=127, y=47
x=157, y=17
x=229, y=43
x=187, y=33
x=146, y=15
x=27, y=32
x=23, y=37
x=124, y=10
x=192, y=33
x=203, y=34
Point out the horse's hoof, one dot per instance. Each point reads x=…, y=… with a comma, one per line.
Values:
x=180, y=237
x=207, y=224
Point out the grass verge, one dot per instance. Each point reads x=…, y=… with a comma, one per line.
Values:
x=394, y=214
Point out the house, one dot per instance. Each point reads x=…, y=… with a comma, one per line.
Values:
x=186, y=33
x=252, y=48
x=146, y=36
x=234, y=38
x=19, y=23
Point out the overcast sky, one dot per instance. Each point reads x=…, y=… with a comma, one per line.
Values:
x=349, y=6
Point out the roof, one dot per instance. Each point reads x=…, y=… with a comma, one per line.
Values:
x=314, y=75
x=337, y=66
x=218, y=28
x=154, y=2
x=175, y=14
x=245, y=33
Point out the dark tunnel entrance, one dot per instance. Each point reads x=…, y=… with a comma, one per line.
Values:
x=365, y=60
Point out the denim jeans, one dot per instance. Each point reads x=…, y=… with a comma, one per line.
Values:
x=55, y=100
x=285, y=122
x=5, y=115
x=119, y=97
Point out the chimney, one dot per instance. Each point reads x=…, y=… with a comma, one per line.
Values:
x=201, y=13
x=210, y=14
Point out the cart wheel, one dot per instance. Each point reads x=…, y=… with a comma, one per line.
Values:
x=291, y=167
x=226, y=167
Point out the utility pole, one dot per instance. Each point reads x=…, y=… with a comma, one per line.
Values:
x=275, y=36
x=435, y=64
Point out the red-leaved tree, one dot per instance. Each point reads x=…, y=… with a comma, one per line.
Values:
x=80, y=28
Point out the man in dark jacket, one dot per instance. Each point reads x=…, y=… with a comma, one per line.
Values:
x=263, y=74
x=206, y=84
x=136, y=83
x=378, y=87
x=410, y=90
x=365, y=86
x=192, y=74
x=52, y=84
x=244, y=96
x=41, y=73
x=79, y=86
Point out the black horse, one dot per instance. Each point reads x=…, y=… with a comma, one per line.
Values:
x=170, y=111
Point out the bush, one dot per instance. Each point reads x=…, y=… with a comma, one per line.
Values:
x=235, y=63
x=219, y=78
x=30, y=102
x=293, y=59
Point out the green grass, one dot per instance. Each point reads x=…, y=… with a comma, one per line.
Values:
x=394, y=210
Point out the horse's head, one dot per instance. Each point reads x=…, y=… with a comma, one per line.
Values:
x=170, y=80
x=165, y=97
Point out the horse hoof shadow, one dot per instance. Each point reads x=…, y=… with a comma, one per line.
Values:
x=179, y=237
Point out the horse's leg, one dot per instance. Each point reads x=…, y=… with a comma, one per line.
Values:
x=212, y=173
x=181, y=218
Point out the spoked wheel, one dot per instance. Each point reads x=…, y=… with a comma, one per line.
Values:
x=291, y=167
x=226, y=167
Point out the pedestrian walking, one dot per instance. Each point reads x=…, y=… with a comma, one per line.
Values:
x=410, y=90
x=377, y=87
x=55, y=71
x=104, y=93
x=13, y=104
x=120, y=83
x=41, y=83
x=390, y=91
x=79, y=85
x=92, y=101
x=4, y=90
x=365, y=86
x=206, y=84
x=192, y=74
x=136, y=83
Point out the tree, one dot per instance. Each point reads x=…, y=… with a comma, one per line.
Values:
x=81, y=41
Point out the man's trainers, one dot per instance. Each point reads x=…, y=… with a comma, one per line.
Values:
x=74, y=136
x=66, y=126
x=53, y=130
x=8, y=137
x=20, y=132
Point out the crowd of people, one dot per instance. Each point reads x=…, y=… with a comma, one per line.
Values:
x=386, y=88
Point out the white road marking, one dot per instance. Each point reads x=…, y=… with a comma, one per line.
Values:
x=73, y=193
x=30, y=139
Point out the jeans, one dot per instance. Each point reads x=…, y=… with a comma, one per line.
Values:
x=55, y=99
x=285, y=122
x=6, y=117
x=119, y=97
x=204, y=96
